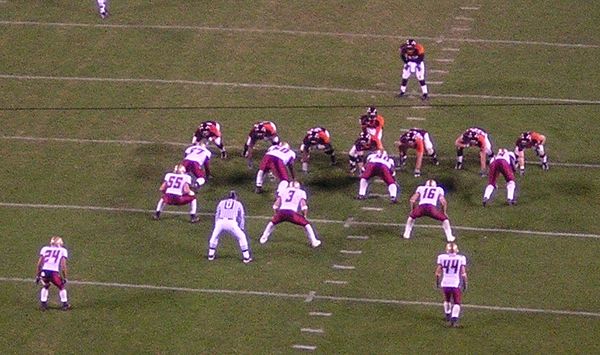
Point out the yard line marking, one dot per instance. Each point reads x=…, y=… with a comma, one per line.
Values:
x=372, y=208
x=435, y=82
x=335, y=282
x=444, y=60
x=320, y=314
x=348, y=222
x=411, y=118
x=310, y=297
x=312, y=330
x=304, y=347
x=437, y=71
x=343, y=267
x=470, y=8
x=83, y=140
x=422, y=107
x=316, y=220
x=460, y=29
x=302, y=296
x=450, y=50
x=352, y=252
x=291, y=32
x=463, y=18
x=357, y=237
x=290, y=87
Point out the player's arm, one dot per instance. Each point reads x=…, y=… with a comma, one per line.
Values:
x=291, y=166
x=420, y=148
x=187, y=190
x=277, y=203
x=438, y=275
x=241, y=217
x=444, y=204
x=304, y=207
x=207, y=167
x=63, y=268
x=460, y=143
x=403, y=54
x=413, y=200
x=38, y=268
x=463, y=277
x=163, y=187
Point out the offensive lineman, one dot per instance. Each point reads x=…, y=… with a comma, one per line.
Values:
x=52, y=269
x=210, y=131
x=420, y=140
x=319, y=138
x=535, y=140
x=474, y=137
x=230, y=217
x=263, y=130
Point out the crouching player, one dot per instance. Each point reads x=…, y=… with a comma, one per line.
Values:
x=176, y=191
x=319, y=138
x=503, y=163
x=52, y=269
x=381, y=165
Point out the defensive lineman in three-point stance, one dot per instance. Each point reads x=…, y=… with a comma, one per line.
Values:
x=230, y=217
x=451, y=276
x=52, y=269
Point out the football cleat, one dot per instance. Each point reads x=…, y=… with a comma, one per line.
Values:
x=194, y=219
x=512, y=202
x=522, y=172
x=360, y=197
x=545, y=166
x=103, y=14
x=211, y=257
x=258, y=190
x=401, y=94
x=482, y=173
x=417, y=173
x=247, y=261
x=451, y=239
x=448, y=316
x=435, y=161
x=394, y=200
x=485, y=201
x=424, y=97
x=156, y=216
x=65, y=306
x=316, y=244
x=224, y=154
x=43, y=306
x=406, y=236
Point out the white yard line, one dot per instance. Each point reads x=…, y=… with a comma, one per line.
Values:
x=335, y=282
x=290, y=32
x=310, y=297
x=287, y=87
x=351, y=252
x=320, y=314
x=316, y=220
x=303, y=296
x=377, y=209
x=343, y=267
x=304, y=347
x=312, y=330
x=357, y=237
x=412, y=118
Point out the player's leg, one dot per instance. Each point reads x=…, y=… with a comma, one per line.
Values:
x=243, y=243
x=410, y=222
x=270, y=227
x=448, y=231
x=393, y=191
x=539, y=151
x=421, y=78
x=193, y=207
x=305, y=150
x=510, y=192
x=362, y=188
x=159, y=207
x=331, y=152
x=44, y=291
x=447, y=304
x=460, y=150
x=487, y=194
x=213, y=242
x=404, y=82
x=456, y=298
x=62, y=291
x=429, y=148
x=482, y=162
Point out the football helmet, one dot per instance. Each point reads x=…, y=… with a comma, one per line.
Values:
x=56, y=241
x=372, y=111
x=430, y=183
x=233, y=195
x=451, y=248
x=284, y=145
x=179, y=169
x=411, y=42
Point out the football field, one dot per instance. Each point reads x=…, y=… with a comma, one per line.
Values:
x=94, y=112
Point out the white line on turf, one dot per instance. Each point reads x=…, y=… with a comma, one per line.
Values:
x=312, y=330
x=450, y=50
x=320, y=314
x=412, y=118
x=372, y=208
x=358, y=237
x=470, y=8
x=436, y=71
x=460, y=29
x=351, y=252
x=343, y=267
x=290, y=32
x=463, y=18
x=282, y=86
x=336, y=282
x=316, y=220
x=310, y=297
x=444, y=60
x=435, y=82
x=319, y=297
x=304, y=347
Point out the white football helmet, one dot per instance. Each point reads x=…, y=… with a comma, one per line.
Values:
x=294, y=184
x=430, y=183
x=451, y=248
x=179, y=169
x=284, y=145
x=56, y=241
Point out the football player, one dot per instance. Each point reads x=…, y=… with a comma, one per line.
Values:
x=428, y=196
x=210, y=131
x=451, y=277
x=277, y=159
x=318, y=138
x=535, y=140
x=102, y=8
x=264, y=130
x=196, y=160
x=503, y=163
x=474, y=137
x=413, y=56
x=364, y=143
x=372, y=123
x=381, y=165
x=52, y=269
x=289, y=201
x=175, y=190
x=418, y=139
x=230, y=217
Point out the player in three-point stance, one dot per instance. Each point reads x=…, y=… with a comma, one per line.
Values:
x=451, y=277
x=176, y=190
x=52, y=269
x=317, y=138
x=429, y=195
x=503, y=163
x=263, y=130
x=474, y=137
x=418, y=139
x=210, y=131
x=230, y=218
x=196, y=160
x=534, y=140
x=286, y=206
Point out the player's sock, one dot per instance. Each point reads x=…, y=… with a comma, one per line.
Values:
x=310, y=233
x=212, y=252
x=409, y=226
x=102, y=6
x=447, y=229
x=63, y=295
x=160, y=206
x=488, y=192
x=267, y=232
x=455, y=311
x=510, y=190
x=260, y=178
x=193, y=206
x=44, y=294
x=304, y=166
x=447, y=310
x=363, y=187
x=424, y=87
x=403, y=85
x=246, y=254
x=393, y=190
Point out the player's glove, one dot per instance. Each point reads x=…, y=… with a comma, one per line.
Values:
x=464, y=286
x=38, y=279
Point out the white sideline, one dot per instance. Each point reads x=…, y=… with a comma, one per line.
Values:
x=124, y=142
x=283, y=86
x=291, y=32
x=316, y=297
x=316, y=220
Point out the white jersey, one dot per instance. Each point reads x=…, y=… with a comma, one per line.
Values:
x=291, y=197
x=506, y=155
x=231, y=209
x=286, y=155
x=382, y=159
x=429, y=194
x=451, y=265
x=52, y=256
x=198, y=154
x=176, y=182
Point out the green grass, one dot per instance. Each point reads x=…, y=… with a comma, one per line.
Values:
x=195, y=314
